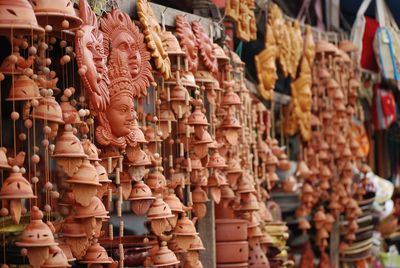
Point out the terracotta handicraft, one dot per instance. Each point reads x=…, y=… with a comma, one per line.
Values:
x=206, y=47
x=91, y=59
x=188, y=43
x=153, y=33
x=130, y=75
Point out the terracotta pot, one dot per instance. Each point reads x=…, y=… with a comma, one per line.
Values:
x=19, y=16
x=57, y=259
x=232, y=252
x=55, y=12
x=95, y=209
x=24, y=89
x=164, y=257
x=96, y=254
x=37, y=233
x=49, y=110
x=230, y=230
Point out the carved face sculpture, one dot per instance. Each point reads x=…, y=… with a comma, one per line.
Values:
x=90, y=53
x=187, y=42
x=120, y=115
x=205, y=46
x=125, y=45
x=266, y=69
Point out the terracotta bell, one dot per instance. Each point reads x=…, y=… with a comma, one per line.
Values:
x=19, y=17
x=164, y=257
x=141, y=198
x=60, y=14
x=96, y=254
x=24, y=89
x=68, y=145
x=185, y=232
x=57, y=259
x=3, y=159
x=216, y=161
x=48, y=109
x=95, y=209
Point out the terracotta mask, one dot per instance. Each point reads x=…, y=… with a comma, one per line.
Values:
x=130, y=75
x=266, y=71
x=187, y=42
x=90, y=58
x=206, y=47
x=153, y=32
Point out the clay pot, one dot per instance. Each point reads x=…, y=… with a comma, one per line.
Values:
x=37, y=233
x=156, y=181
x=96, y=254
x=219, y=53
x=141, y=198
x=137, y=157
x=245, y=186
x=232, y=252
x=68, y=145
x=57, y=259
x=24, y=89
x=189, y=81
x=18, y=16
x=55, y=12
x=230, y=98
x=249, y=204
x=95, y=209
x=49, y=110
x=230, y=230
x=164, y=257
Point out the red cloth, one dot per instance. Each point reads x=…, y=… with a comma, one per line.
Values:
x=368, y=60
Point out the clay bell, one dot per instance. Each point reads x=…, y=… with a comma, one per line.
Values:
x=141, y=198
x=37, y=237
x=160, y=215
x=199, y=198
x=96, y=254
x=230, y=98
x=219, y=53
x=24, y=89
x=197, y=118
x=15, y=188
x=176, y=206
x=95, y=209
x=57, y=259
x=60, y=14
x=48, y=109
x=185, y=233
x=84, y=183
x=18, y=16
x=216, y=161
x=68, y=145
x=171, y=44
x=3, y=159
x=164, y=257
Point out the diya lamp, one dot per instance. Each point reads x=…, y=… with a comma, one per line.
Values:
x=84, y=183
x=68, y=151
x=57, y=259
x=14, y=189
x=37, y=238
x=160, y=215
x=74, y=235
x=141, y=198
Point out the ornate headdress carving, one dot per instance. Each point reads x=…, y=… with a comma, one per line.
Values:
x=188, y=42
x=206, y=48
x=95, y=78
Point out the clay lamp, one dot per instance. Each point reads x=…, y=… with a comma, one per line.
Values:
x=263, y=149
x=216, y=161
x=24, y=89
x=37, y=237
x=69, y=113
x=66, y=249
x=201, y=146
x=68, y=151
x=233, y=171
x=165, y=120
x=347, y=170
x=84, y=183
x=165, y=257
x=57, y=259
x=153, y=139
x=307, y=197
x=265, y=214
x=302, y=171
x=175, y=204
x=59, y=14
x=185, y=232
x=141, y=198
x=271, y=163
x=325, y=173
x=96, y=254
x=172, y=47
x=199, y=199
x=159, y=214
x=75, y=237
x=14, y=189
x=92, y=216
x=323, y=74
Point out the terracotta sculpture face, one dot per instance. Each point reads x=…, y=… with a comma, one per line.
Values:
x=90, y=53
x=205, y=46
x=130, y=75
x=152, y=31
x=187, y=42
x=266, y=71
